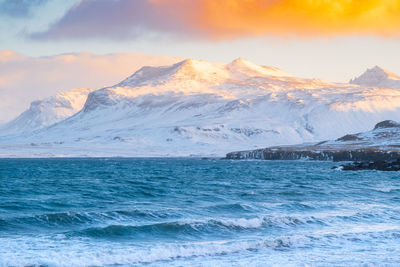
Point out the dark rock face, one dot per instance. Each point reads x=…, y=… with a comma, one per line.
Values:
x=341, y=155
x=372, y=165
x=349, y=137
x=272, y=154
x=380, y=144
x=387, y=124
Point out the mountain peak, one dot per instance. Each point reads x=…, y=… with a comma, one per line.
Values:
x=47, y=111
x=241, y=60
x=387, y=124
x=246, y=67
x=194, y=65
x=377, y=70
x=200, y=70
x=190, y=69
x=189, y=61
x=377, y=77
x=244, y=64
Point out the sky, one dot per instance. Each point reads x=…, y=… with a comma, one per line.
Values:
x=333, y=40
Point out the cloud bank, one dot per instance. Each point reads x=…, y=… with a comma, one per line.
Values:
x=226, y=19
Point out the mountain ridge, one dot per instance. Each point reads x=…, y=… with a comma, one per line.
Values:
x=47, y=111
x=201, y=108
x=377, y=77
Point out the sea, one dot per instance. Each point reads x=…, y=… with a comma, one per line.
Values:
x=196, y=212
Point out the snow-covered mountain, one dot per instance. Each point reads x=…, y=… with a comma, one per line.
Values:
x=200, y=108
x=378, y=77
x=24, y=79
x=48, y=111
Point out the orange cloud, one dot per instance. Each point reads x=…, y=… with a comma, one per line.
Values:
x=225, y=19
x=222, y=19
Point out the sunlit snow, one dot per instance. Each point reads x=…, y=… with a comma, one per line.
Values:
x=198, y=108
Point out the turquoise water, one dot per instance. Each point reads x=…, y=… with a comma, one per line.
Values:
x=193, y=212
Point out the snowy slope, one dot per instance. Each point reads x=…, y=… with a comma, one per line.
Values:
x=378, y=77
x=45, y=112
x=201, y=108
x=24, y=79
x=382, y=143
x=384, y=134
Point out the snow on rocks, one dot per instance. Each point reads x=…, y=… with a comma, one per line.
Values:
x=200, y=108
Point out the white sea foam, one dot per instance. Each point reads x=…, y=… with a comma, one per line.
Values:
x=386, y=189
x=73, y=254
x=244, y=223
x=58, y=251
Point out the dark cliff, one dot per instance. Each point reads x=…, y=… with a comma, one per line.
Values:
x=331, y=155
x=380, y=144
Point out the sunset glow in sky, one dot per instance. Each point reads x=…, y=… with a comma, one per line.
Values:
x=235, y=18
x=335, y=40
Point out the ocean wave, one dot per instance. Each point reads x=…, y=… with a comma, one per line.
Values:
x=75, y=256
x=264, y=221
x=195, y=228
x=127, y=223
x=76, y=252
x=65, y=219
x=386, y=189
x=233, y=207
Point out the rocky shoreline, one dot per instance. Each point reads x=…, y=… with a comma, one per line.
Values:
x=381, y=144
x=324, y=155
x=371, y=165
x=362, y=159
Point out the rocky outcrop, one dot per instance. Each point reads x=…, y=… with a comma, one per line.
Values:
x=327, y=155
x=371, y=165
x=387, y=124
x=380, y=144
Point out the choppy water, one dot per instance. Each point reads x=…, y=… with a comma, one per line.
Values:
x=193, y=212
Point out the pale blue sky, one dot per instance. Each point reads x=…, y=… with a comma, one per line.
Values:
x=334, y=59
